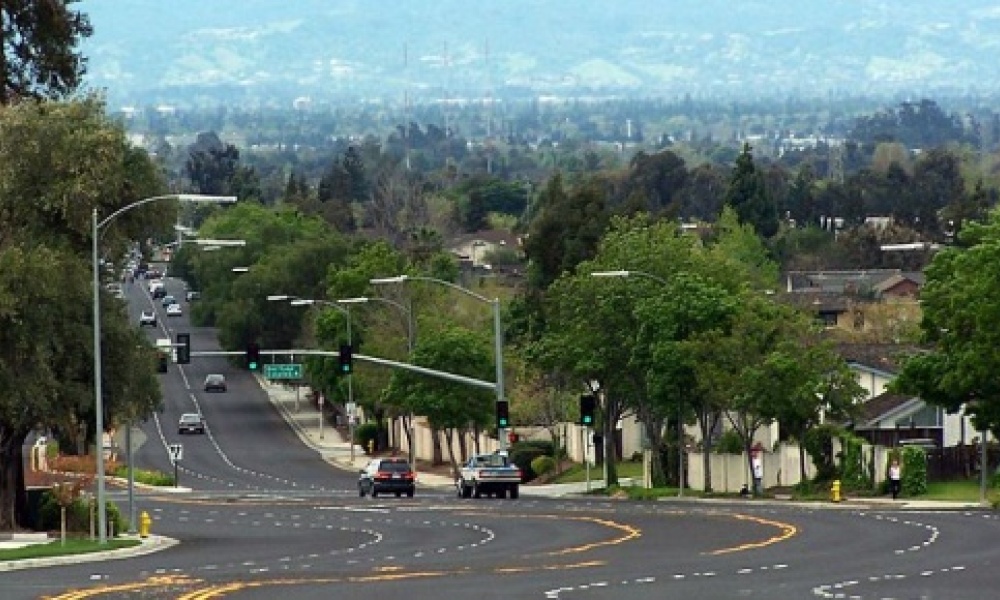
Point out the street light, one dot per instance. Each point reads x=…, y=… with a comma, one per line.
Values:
x=96, y=226
x=497, y=330
x=408, y=313
x=680, y=422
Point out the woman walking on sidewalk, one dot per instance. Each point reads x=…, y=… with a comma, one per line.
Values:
x=895, y=478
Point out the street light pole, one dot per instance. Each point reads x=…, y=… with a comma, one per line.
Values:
x=680, y=422
x=497, y=331
x=95, y=227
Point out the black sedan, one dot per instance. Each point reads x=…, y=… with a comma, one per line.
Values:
x=387, y=475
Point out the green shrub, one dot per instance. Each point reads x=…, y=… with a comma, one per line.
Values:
x=147, y=477
x=730, y=442
x=818, y=444
x=914, y=463
x=523, y=453
x=855, y=472
x=542, y=465
x=364, y=433
x=77, y=516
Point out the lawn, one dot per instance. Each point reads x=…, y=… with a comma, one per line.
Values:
x=953, y=491
x=57, y=548
x=578, y=473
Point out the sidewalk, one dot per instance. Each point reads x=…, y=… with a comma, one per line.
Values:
x=330, y=442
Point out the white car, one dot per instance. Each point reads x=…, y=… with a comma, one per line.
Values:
x=147, y=317
x=174, y=310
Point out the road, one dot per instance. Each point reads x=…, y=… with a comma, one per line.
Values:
x=267, y=516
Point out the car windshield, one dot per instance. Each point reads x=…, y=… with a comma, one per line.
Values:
x=215, y=379
x=190, y=418
x=494, y=460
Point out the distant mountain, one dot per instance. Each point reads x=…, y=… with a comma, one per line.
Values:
x=271, y=52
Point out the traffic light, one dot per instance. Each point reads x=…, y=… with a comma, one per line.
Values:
x=346, y=359
x=587, y=405
x=253, y=356
x=183, y=348
x=503, y=415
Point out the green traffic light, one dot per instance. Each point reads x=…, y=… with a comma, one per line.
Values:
x=253, y=366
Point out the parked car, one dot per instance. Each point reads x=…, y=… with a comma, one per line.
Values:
x=215, y=382
x=174, y=310
x=191, y=423
x=147, y=317
x=387, y=475
x=192, y=295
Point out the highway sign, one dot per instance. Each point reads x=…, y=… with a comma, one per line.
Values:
x=286, y=371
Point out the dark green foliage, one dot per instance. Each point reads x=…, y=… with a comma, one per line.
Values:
x=523, y=454
x=855, y=469
x=819, y=444
x=364, y=433
x=40, y=41
x=729, y=442
x=748, y=196
x=914, y=472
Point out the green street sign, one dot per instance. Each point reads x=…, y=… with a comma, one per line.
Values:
x=289, y=371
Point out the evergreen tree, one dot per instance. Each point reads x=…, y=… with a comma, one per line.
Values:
x=748, y=196
x=39, y=57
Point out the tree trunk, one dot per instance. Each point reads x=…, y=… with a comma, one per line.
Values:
x=13, y=498
x=437, y=458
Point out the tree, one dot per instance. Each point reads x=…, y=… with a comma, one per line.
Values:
x=748, y=195
x=60, y=162
x=451, y=407
x=958, y=370
x=38, y=56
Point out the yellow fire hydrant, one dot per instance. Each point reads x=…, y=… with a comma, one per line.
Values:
x=835, y=490
x=145, y=522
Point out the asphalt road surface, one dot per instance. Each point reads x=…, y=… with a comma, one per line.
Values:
x=268, y=518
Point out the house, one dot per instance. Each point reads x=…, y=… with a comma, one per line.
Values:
x=478, y=247
x=841, y=298
x=890, y=419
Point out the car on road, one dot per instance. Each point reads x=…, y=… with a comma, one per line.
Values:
x=215, y=382
x=168, y=300
x=147, y=317
x=489, y=474
x=387, y=475
x=191, y=423
x=174, y=310
x=192, y=295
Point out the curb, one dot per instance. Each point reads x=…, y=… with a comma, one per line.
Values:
x=149, y=545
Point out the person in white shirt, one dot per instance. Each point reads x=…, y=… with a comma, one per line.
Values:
x=895, y=478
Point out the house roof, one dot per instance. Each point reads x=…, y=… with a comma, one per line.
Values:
x=883, y=357
x=817, y=301
x=878, y=408
x=891, y=282
x=850, y=282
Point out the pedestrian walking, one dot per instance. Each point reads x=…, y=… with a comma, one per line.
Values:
x=895, y=478
x=757, y=468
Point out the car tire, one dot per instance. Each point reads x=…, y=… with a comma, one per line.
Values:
x=399, y=494
x=476, y=492
x=514, y=493
x=409, y=493
x=374, y=492
x=361, y=491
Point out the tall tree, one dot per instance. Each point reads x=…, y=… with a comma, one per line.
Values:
x=38, y=54
x=748, y=195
